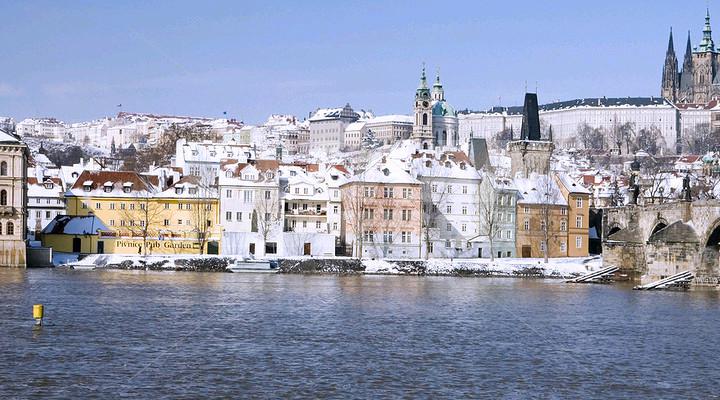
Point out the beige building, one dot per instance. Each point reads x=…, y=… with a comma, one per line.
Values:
x=13, y=200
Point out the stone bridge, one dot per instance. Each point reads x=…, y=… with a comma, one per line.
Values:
x=651, y=241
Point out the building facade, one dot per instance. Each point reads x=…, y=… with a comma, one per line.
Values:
x=13, y=200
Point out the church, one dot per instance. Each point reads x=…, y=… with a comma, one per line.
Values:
x=436, y=122
x=699, y=79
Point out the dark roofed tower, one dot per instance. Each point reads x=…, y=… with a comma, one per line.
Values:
x=670, y=75
x=530, y=154
x=530, y=129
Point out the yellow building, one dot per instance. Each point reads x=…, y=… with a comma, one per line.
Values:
x=578, y=200
x=148, y=214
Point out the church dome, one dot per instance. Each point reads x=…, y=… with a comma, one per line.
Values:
x=442, y=108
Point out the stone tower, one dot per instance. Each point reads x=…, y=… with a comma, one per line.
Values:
x=686, y=76
x=422, y=126
x=670, y=75
x=530, y=154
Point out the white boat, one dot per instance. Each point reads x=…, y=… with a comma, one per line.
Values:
x=263, y=266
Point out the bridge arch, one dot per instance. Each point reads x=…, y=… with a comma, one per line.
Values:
x=710, y=252
x=659, y=223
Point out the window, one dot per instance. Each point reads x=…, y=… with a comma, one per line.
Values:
x=542, y=225
x=187, y=206
x=122, y=206
x=318, y=224
x=578, y=202
x=526, y=224
x=388, y=214
x=112, y=222
x=542, y=246
x=387, y=237
x=464, y=227
x=267, y=217
x=132, y=206
x=578, y=221
x=83, y=205
x=98, y=206
x=11, y=228
x=335, y=226
x=304, y=224
x=335, y=209
x=270, y=248
x=447, y=244
x=179, y=222
x=578, y=242
x=434, y=188
x=247, y=196
x=464, y=189
x=448, y=208
x=3, y=168
x=228, y=216
x=369, y=192
x=388, y=193
x=526, y=210
x=238, y=216
x=112, y=206
x=464, y=210
x=368, y=213
x=3, y=197
x=563, y=226
x=508, y=234
x=107, y=188
x=406, y=193
x=448, y=227
x=406, y=215
x=305, y=190
x=563, y=246
x=449, y=189
x=166, y=222
x=317, y=208
x=563, y=211
x=228, y=194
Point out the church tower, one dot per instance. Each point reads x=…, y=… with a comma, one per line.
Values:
x=438, y=93
x=531, y=154
x=422, y=128
x=686, y=76
x=670, y=75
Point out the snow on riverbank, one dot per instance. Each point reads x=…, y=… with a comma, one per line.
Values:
x=521, y=267
x=558, y=267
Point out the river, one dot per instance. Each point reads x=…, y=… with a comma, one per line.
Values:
x=129, y=334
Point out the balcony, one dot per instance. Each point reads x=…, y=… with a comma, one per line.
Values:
x=306, y=213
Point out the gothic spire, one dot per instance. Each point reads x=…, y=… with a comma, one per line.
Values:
x=686, y=75
x=671, y=46
x=707, y=43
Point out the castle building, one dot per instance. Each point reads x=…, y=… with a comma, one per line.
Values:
x=436, y=121
x=13, y=200
x=699, y=80
x=530, y=154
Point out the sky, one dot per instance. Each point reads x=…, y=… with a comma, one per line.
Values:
x=79, y=60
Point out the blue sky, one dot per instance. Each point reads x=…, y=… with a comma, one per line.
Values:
x=77, y=61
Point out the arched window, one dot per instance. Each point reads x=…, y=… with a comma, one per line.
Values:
x=3, y=197
x=3, y=168
x=425, y=121
x=10, y=228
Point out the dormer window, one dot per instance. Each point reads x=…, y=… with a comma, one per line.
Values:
x=462, y=165
x=107, y=187
x=228, y=174
x=269, y=175
x=293, y=173
x=192, y=190
x=48, y=185
x=428, y=163
x=447, y=164
x=127, y=187
x=212, y=154
x=87, y=186
x=194, y=152
x=334, y=177
x=386, y=171
x=74, y=174
x=178, y=189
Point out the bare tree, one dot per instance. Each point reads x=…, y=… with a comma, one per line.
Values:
x=649, y=140
x=203, y=195
x=489, y=214
x=354, y=204
x=143, y=217
x=501, y=138
x=434, y=193
x=266, y=216
x=549, y=197
x=591, y=138
x=624, y=134
x=391, y=222
x=701, y=139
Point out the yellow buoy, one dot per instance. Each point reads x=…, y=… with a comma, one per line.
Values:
x=38, y=313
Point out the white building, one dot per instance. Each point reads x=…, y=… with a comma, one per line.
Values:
x=46, y=128
x=451, y=214
x=13, y=200
x=45, y=201
x=327, y=128
x=566, y=117
x=203, y=159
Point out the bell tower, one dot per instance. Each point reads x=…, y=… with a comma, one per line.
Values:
x=422, y=126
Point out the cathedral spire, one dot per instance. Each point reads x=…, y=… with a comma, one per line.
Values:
x=671, y=46
x=670, y=76
x=707, y=42
x=686, y=75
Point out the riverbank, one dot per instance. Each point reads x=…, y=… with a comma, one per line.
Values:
x=502, y=267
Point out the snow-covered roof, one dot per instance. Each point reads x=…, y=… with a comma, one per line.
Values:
x=8, y=138
x=572, y=185
x=539, y=189
x=75, y=225
x=383, y=119
x=386, y=171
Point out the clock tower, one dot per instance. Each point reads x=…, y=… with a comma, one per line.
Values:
x=422, y=126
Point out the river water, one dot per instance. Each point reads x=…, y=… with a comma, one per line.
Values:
x=126, y=334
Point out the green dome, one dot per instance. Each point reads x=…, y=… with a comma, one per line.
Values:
x=443, y=109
